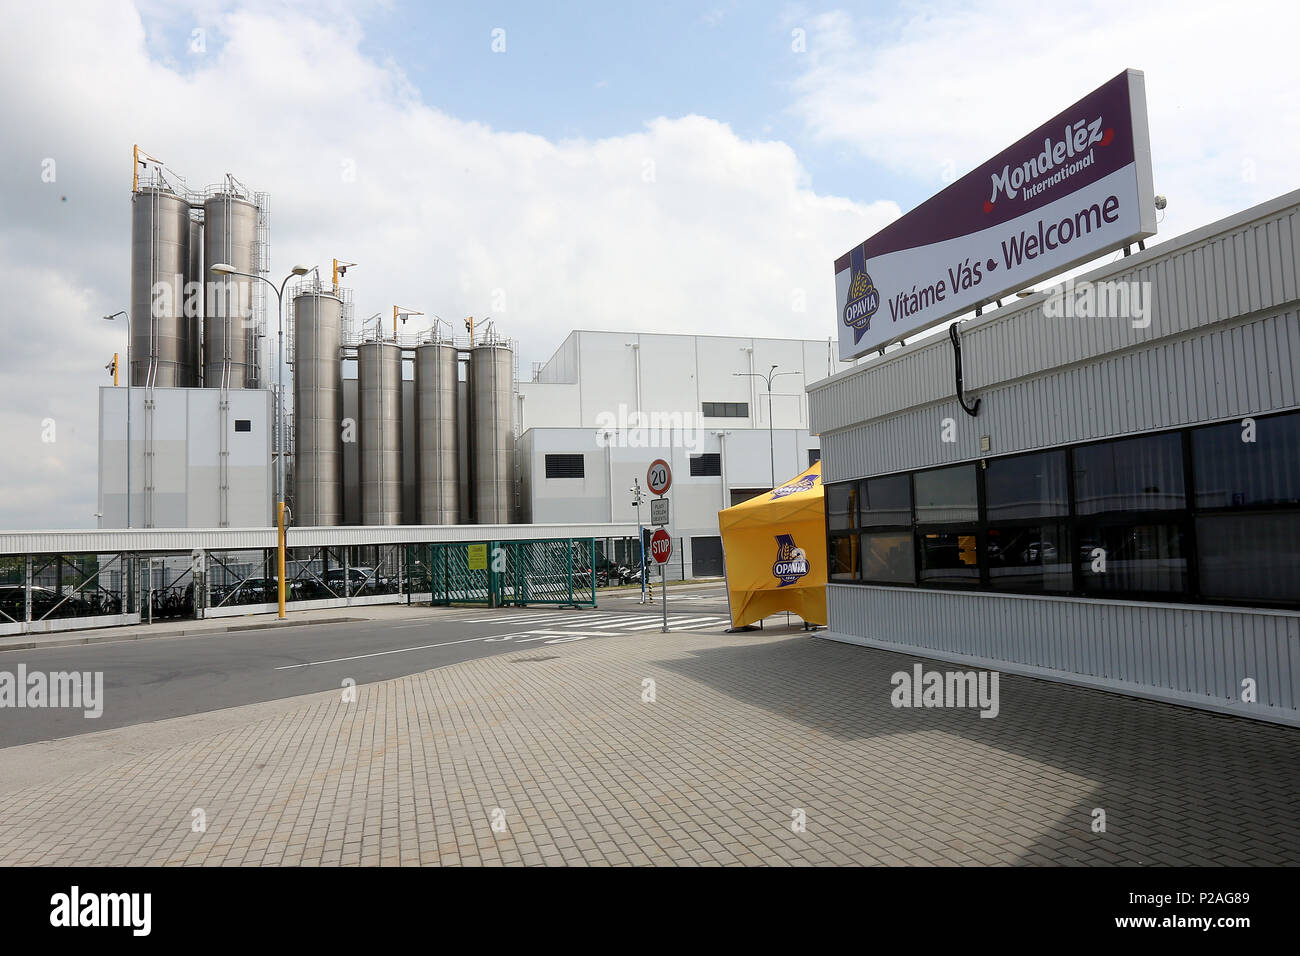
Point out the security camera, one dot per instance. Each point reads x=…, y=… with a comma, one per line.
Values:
x=1161, y=202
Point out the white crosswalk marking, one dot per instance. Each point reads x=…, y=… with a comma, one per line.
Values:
x=674, y=622
x=599, y=623
x=650, y=625
x=521, y=618
x=608, y=620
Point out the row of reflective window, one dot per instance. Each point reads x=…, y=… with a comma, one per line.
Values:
x=1210, y=513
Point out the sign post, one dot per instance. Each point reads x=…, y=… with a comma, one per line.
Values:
x=661, y=548
x=637, y=497
x=659, y=478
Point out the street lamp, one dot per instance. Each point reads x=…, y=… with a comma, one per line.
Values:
x=110, y=318
x=637, y=498
x=767, y=377
x=225, y=269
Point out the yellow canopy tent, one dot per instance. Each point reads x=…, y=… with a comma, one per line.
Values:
x=775, y=549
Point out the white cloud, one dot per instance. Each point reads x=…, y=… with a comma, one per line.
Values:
x=951, y=82
x=442, y=212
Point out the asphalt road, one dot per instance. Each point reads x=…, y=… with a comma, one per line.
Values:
x=172, y=677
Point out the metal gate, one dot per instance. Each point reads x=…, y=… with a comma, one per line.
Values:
x=556, y=571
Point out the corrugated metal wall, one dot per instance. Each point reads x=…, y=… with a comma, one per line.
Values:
x=1192, y=655
x=1224, y=372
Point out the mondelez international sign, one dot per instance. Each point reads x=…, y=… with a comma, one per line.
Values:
x=1076, y=188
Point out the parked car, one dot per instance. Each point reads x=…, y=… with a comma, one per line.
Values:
x=1038, y=552
x=361, y=580
x=44, y=601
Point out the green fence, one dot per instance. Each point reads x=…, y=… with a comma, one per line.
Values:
x=556, y=571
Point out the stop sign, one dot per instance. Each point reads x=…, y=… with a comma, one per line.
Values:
x=661, y=546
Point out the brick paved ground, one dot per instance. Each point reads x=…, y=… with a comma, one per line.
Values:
x=745, y=729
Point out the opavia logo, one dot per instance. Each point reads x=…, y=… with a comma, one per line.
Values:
x=791, y=563
x=863, y=300
x=1066, y=156
x=806, y=483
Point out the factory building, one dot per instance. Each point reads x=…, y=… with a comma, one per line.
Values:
x=379, y=428
x=606, y=404
x=199, y=419
x=1122, y=511
x=383, y=427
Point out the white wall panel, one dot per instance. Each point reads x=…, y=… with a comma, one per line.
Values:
x=1190, y=655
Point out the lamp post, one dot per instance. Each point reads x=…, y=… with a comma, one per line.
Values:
x=637, y=498
x=767, y=377
x=225, y=269
x=110, y=318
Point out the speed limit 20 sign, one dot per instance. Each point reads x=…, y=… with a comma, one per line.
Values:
x=659, y=476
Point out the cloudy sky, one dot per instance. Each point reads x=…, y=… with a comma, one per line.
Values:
x=670, y=166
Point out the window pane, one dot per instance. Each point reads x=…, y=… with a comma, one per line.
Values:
x=844, y=557
x=888, y=558
x=1027, y=486
x=842, y=505
x=1135, y=474
x=1231, y=472
x=946, y=495
x=1033, y=558
x=887, y=501
x=949, y=558
x=1145, y=557
x=1252, y=557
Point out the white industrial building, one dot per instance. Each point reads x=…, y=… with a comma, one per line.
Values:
x=607, y=404
x=201, y=458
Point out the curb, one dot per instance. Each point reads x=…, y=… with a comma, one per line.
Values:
x=110, y=637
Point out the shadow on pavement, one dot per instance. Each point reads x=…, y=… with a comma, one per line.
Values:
x=1178, y=786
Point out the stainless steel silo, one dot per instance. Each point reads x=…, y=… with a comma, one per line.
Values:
x=379, y=395
x=492, y=441
x=229, y=233
x=160, y=250
x=317, y=409
x=195, y=287
x=437, y=443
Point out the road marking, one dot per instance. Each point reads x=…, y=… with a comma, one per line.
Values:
x=631, y=622
x=671, y=623
x=563, y=637
x=523, y=618
x=556, y=637
x=358, y=657
x=601, y=622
